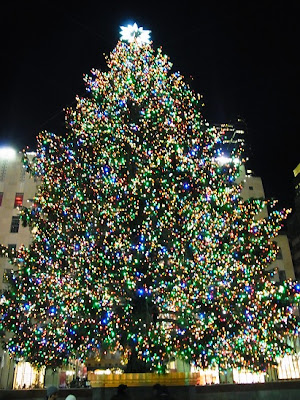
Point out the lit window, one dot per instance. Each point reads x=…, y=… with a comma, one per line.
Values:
x=19, y=200
x=1, y=198
x=15, y=223
x=12, y=248
x=8, y=272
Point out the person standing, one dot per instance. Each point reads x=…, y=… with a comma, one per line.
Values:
x=52, y=393
x=122, y=393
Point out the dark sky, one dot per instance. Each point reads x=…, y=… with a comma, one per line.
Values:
x=242, y=56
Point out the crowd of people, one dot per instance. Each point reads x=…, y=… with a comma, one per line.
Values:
x=52, y=394
x=159, y=392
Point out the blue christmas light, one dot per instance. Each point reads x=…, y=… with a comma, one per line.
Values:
x=52, y=310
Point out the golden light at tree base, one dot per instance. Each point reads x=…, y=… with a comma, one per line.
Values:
x=141, y=240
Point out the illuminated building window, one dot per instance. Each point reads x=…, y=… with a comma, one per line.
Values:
x=15, y=223
x=289, y=367
x=7, y=274
x=19, y=200
x=1, y=198
x=27, y=376
x=12, y=248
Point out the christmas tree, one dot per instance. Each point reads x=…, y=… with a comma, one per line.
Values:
x=141, y=240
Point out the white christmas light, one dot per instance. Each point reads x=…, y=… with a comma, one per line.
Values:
x=131, y=33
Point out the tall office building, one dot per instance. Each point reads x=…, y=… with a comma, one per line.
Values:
x=236, y=135
x=17, y=189
x=282, y=268
x=294, y=224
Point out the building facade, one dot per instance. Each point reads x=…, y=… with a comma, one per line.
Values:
x=17, y=189
x=294, y=224
x=235, y=135
x=282, y=268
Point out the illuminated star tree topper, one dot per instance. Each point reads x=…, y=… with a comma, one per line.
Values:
x=131, y=33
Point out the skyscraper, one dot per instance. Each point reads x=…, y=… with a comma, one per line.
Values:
x=17, y=189
x=294, y=224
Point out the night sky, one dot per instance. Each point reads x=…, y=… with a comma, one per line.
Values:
x=242, y=56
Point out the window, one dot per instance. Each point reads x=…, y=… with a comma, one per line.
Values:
x=19, y=200
x=282, y=276
x=12, y=248
x=279, y=255
x=8, y=272
x=15, y=223
x=1, y=198
x=3, y=168
x=250, y=187
x=22, y=175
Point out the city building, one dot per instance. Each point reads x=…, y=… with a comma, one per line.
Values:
x=282, y=267
x=17, y=189
x=235, y=135
x=294, y=224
